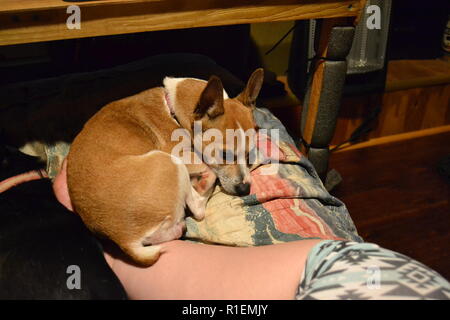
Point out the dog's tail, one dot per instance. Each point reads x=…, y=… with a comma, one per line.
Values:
x=143, y=255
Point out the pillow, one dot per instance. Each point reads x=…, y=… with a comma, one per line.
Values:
x=287, y=202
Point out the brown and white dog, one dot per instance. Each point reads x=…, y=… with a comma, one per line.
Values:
x=123, y=180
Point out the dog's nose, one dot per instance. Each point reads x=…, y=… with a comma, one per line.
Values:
x=243, y=189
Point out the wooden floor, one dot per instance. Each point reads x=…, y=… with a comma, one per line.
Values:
x=397, y=199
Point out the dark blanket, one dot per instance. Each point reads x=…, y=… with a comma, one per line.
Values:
x=46, y=252
x=55, y=109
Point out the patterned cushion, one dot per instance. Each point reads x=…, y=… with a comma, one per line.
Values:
x=288, y=204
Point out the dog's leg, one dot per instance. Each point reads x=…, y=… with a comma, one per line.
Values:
x=203, y=180
x=196, y=183
x=197, y=203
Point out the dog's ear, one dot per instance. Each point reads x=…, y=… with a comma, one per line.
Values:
x=211, y=100
x=251, y=91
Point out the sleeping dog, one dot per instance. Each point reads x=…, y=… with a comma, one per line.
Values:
x=125, y=182
x=46, y=252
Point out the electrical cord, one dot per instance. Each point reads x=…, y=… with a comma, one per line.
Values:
x=281, y=40
x=363, y=129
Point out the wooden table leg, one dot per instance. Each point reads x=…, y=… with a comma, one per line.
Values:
x=324, y=91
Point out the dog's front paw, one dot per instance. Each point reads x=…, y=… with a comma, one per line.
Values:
x=200, y=214
x=197, y=204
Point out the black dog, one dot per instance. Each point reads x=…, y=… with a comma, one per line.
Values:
x=45, y=250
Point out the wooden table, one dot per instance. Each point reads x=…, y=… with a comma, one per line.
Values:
x=26, y=21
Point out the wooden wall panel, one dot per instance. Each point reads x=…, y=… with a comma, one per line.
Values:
x=402, y=111
x=417, y=97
